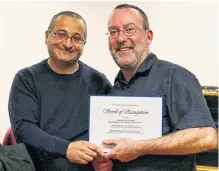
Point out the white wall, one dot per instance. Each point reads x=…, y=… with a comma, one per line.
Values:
x=185, y=33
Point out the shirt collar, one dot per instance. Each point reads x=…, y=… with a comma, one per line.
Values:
x=146, y=65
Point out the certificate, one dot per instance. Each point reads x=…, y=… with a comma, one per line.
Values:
x=116, y=117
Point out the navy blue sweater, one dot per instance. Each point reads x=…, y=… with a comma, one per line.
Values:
x=49, y=110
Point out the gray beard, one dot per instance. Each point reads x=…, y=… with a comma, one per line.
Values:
x=130, y=65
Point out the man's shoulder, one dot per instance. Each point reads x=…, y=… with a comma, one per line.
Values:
x=31, y=70
x=163, y=64
x=175, y=71
x=93, y=78
x=173, y=67
x=90, y=73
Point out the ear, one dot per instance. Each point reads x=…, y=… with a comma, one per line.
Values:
x=149, y=34
x=46, y=36
x=85, y=42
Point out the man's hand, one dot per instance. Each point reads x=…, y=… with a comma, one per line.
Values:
x=125, y=150
x=82, y=152
x=102, y=164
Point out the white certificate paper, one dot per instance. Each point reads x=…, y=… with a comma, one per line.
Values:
x=116, y=117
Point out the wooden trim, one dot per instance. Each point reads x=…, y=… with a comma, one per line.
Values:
x=209, y=93
x=206, y=168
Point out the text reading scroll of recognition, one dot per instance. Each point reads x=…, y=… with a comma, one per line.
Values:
x=113, y=117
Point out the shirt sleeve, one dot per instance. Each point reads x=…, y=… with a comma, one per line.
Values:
x=187, y=106
x=24, y=113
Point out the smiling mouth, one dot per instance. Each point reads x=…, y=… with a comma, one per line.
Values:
x=67, y=51
x=124, y=49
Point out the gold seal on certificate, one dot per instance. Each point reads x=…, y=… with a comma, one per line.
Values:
x=115, y=117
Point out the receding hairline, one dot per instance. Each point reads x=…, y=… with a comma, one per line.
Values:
x=143, y=15
x=117, y=9
x=74, y=18
x=70, y=14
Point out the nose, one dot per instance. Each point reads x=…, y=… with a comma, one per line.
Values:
x=68, y=44
x=122, y=37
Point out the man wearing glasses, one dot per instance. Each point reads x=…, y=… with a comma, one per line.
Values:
x=48, y=103
x=188, y=127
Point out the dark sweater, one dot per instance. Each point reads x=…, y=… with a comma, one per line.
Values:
x=49, y=110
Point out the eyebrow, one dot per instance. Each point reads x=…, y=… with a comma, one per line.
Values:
x=77, y=34
x=61, y=30
x=125, y=25
x=74, y=34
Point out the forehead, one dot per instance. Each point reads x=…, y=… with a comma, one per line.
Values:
x=70, y=24
x=124, y=16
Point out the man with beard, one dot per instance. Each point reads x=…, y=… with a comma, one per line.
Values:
x=49, y=101
x=188, y=127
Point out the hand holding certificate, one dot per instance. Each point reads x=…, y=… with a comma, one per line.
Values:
x=114, y=117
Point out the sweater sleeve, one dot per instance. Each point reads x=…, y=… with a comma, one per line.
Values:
x=107, y=85
x=24, y=113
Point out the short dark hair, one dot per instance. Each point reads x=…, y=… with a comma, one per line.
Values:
x=68, y=13
x=142, y=13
